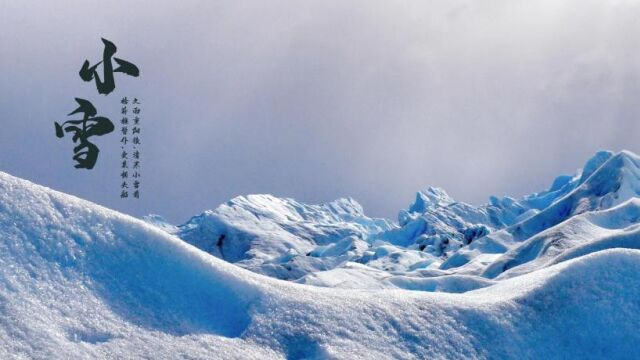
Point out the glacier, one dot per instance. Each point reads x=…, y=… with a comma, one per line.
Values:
x=437, y=244
x=554, y=274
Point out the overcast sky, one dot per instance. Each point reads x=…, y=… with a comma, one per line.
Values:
x=323, y=99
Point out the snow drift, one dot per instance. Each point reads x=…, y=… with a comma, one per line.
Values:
x=81, y=281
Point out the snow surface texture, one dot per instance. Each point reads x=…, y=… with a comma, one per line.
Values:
x=81, y=281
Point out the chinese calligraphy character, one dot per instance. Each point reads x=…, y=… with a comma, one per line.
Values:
x=86, y=153
x=107, y=83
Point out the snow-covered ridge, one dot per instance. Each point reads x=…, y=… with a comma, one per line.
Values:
x=81, y=281
x=264, y=233
x=337, y=245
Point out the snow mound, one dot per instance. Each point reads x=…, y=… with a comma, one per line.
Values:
x=81, y=281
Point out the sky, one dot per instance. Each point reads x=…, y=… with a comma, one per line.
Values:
x=318, y=100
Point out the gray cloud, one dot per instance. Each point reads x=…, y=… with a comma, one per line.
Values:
x=321, y=99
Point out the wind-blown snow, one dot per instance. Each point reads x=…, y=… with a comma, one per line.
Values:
x=81, y=281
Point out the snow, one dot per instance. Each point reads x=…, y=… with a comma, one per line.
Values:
x=81, y=281
x=160, y=222
x=435, y=235
x=275, y=236
x=613, y=228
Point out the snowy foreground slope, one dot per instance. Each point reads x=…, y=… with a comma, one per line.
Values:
x=81, y=281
